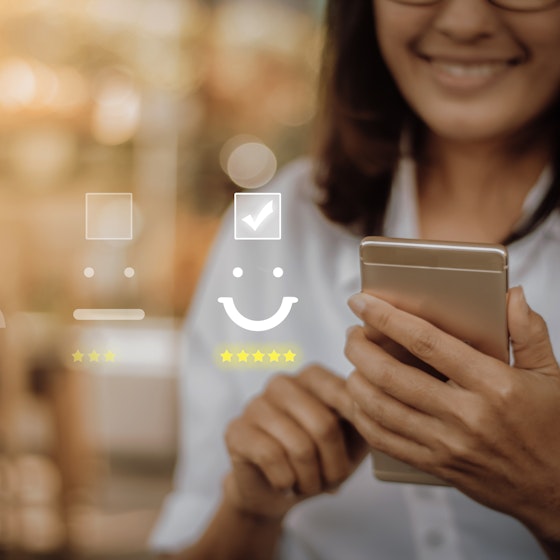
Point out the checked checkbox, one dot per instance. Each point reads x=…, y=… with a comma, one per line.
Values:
x=257, y=216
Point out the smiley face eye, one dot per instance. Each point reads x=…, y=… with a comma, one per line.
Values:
x=238, y=272
x=89, y=272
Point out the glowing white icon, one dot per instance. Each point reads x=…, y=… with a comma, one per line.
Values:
x=255, y=222
x=109, y=217
x=258, y=325
x=257, y=216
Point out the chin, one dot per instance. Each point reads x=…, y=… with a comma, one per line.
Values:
x=472, y=128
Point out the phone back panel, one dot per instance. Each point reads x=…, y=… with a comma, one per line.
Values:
x=459, y=287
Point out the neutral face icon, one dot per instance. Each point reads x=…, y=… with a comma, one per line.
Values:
x=108, y=217
x=263, y=324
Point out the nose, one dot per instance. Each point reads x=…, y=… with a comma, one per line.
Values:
x=467, y=21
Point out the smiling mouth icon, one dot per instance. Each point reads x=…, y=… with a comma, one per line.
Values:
x=262, y=325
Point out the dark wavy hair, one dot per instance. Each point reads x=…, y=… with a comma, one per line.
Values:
x=360, y=123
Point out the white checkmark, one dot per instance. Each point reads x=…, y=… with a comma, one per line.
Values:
x=265, y=211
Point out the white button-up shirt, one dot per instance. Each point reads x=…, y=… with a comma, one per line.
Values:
x=367, y=519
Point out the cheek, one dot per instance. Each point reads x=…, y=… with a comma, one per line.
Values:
x=397, y=31
x=543, y=78
x=393, y=33
x=545, y=47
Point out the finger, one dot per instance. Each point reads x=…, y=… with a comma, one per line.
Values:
x=448, y=355
x=392, y=444
x=530, y=340
x=376, y=336
x=392, y=414
x=297, y=445
x=247, y=444
x=407, y=384
x=329, y=388
x=317, y=420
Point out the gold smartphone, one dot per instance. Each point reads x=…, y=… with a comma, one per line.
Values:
x=459, y=287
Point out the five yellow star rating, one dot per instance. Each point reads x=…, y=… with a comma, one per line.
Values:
x=257, y=356
x=93, y=357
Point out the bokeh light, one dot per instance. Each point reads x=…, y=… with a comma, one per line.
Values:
x=72, y=93
x=17, y=83
x=248, y=162
x=117, y=112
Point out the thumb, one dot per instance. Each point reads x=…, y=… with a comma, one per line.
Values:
x=529, y=336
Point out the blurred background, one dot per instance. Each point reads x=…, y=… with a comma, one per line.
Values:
x=178, y=103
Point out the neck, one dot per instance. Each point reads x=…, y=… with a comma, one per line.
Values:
x=475, y=191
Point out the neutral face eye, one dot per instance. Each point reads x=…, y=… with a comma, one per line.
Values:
x=278, y=272
x=237, y=272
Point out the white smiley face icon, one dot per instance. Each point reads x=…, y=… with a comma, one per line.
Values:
x=258, y=325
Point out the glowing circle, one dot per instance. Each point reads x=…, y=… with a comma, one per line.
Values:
x=129, y=272
x=238, y=272
x=251, y=165
x=278, y=272
x=89, y=272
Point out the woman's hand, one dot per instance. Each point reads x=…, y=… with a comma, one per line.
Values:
x=292, y=442
x=492, y=430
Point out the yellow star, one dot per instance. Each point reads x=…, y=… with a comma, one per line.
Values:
x=93, y=356
x=273, y=356
x=289, y=356
x=226, y=356
x=242, y=356
x=258, y=356
x=109, y=356
x=78, y=356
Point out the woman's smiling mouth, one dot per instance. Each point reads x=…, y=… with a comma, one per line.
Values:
x=465, y=75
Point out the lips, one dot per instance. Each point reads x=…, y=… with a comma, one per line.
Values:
x=464, y=74
x=470, y=69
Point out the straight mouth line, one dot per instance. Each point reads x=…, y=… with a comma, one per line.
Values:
x=108, y=314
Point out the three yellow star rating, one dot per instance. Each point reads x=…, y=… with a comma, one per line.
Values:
x=255, y=357
x=77, y=356
x=109, y=356
x=93, y=357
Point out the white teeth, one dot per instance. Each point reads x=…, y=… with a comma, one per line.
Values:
x=468, y=70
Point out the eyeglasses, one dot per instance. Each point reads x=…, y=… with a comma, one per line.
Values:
x=512, y=5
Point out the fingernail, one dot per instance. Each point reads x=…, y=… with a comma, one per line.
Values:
x=357, y=304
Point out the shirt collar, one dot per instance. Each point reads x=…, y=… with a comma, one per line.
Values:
x=401, y=218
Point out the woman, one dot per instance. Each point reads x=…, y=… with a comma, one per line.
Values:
x=440, y=121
